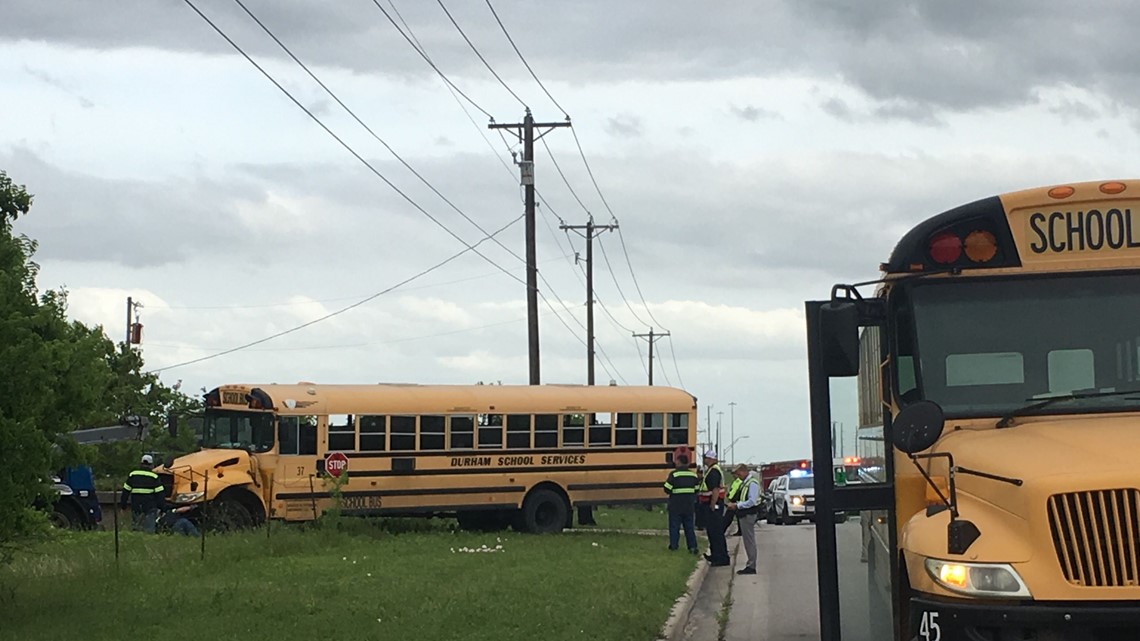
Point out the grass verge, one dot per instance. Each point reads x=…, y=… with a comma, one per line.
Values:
x=631, y=517
x=364, y=583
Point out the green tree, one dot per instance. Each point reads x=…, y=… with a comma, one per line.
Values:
x=54, y=373
x=57, y=376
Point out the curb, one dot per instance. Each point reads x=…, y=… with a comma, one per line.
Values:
x=674, y=627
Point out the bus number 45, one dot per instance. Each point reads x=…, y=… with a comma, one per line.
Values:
x=928, y=628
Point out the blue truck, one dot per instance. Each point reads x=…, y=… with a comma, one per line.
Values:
x=76, y=504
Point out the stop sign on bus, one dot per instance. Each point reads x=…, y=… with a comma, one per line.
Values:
x=336, y=463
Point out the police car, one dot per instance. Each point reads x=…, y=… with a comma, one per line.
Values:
x=793, y=498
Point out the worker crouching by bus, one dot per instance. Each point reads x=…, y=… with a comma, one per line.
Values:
x=681, y=486
x=144, y=490
x=747, y=511
x=712, y=498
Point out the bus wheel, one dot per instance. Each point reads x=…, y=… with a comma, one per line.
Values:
x=227, y=514
x=544, y=511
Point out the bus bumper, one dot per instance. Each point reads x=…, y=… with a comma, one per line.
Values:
x=933, y=618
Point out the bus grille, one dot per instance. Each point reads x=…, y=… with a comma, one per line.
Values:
x=1097, y=536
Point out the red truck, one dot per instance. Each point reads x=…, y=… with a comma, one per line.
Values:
x=771, y=471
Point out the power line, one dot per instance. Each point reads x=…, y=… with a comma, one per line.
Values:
x=432, y=64
x=673, y=352
x=637, y=286
x=339, y=299
x=344, y=144
x=337, y=312
x=348, y=345
x=564, y=180
x=481, y=58
x=617, y=284
x=423, y=52
x=369, y=129
x=523, y=58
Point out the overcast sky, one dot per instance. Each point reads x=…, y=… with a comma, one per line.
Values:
x=753, y=153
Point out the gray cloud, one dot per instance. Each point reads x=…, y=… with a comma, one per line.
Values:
x=932, y=56
x=624, y=126
x=58, y=83
x=750, y=113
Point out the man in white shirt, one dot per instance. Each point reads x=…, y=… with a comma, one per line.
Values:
x=747, y=511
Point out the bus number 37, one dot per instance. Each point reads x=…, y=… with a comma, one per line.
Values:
x=928, y=628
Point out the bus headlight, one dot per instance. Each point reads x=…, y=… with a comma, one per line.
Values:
x=188, y=497
x=978, y=579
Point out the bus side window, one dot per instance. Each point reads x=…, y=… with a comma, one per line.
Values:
x=652, y=428
x=573, y=431
x=601, y=428
x=307, y=435
x=431, y=433
x=462, y=432
x=626, y=429
x=518, y=431
x=490, y=430
x=287, y=436
x=546, y=430
x=403, y=433
x=342, y=433
x=373, y=433
x=678, y=429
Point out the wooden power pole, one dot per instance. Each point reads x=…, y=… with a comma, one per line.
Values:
x=525, y=133
x=651, y=337
x=591, y=231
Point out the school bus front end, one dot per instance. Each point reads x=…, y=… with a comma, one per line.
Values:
x=1009, y=374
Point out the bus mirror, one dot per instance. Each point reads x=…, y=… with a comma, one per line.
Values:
x=918, y=427
x=839, y=337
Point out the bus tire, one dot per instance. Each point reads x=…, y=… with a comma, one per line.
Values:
x=544, y=511
x=234, y=509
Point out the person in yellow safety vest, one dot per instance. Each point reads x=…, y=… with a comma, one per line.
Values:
x=729, y=513
x=145, y=492
x=712, y=487
x=748, y=510
x=681, y=486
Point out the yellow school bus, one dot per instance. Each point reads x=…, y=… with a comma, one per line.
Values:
x=999, y=402
x=492, y=455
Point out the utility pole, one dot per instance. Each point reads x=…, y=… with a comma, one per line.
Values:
x=525, y=133
x=732, y=433
x=708, y=425
x=652, y=337
x=591, y=231
x=134, y=328
x=718, y=441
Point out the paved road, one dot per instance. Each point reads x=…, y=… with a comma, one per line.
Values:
x=781, y=602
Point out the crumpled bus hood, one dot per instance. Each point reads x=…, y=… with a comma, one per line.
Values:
x=210, y=458
x=1041, y=447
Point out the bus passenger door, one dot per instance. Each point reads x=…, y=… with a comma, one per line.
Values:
x=855, y=532
x=294, y=479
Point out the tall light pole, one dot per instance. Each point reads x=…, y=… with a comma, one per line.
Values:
x=718, y=441
x=732, y=429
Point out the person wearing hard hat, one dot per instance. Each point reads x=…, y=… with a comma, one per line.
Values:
x=711, y=493
x=144, y=490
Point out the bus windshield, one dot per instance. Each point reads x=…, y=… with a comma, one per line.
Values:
x=985, y=348
x=250, y=431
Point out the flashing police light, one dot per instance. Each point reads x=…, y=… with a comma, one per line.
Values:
x=798, y=473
